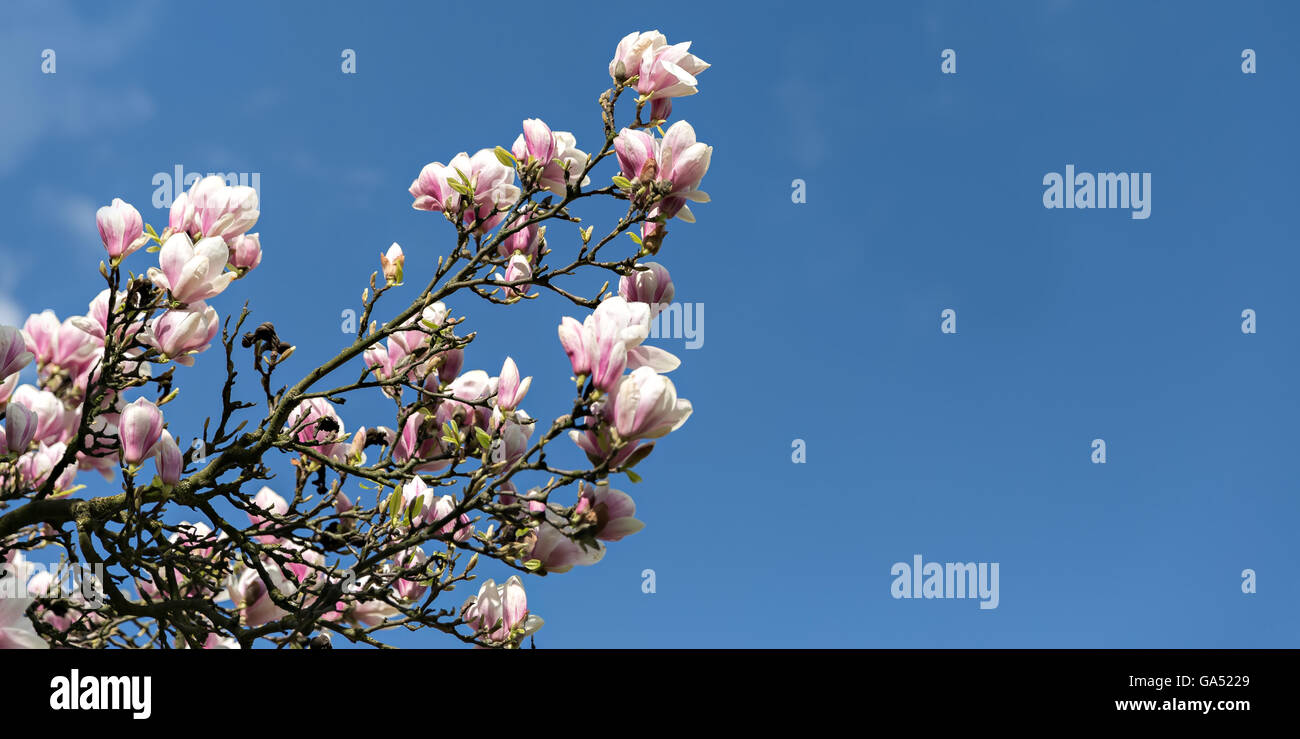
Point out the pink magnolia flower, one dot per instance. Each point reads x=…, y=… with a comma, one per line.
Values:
x=431, y=191
x=414, y=490
x=433, y=316
x=245, y=252
x=433, y=509
x=368, y=612
x=645, y=406
x=683, y=161
x=670, y=72
x=662, y=71
x=490, y=182
x=661, y=109
x=510, y=390
x=474, y=386
x=371, y=613
x=41, y=332
x=64, y=345
x=402, y=357
x=499, y=613
x=468, y=405
x=139, y=430
x=315, y=423
x=180, y=334
x=248, y=591
x=518, y=270
x=614, y=511
x=561, y=161
x=598, y=444
x=54, y=423
x=215, y=209
x=650, y=284
x=356, y=452
x=179, y=216
x=407, y=341
x=628, y=53
x=167, y=458
x=611, y=337
x=249, y=594
x=7, y=387
x=379, y=361
x=13, y=351
x=411, y=559
x=538, y=143
x=443, y=507
x=268, y=502
x=494, y=190
x=388, y=363
x=20, y=427
x=34, y=467
x=452, y=361
x=613, y=326
x=95, y=322
x=512, y=444
x=678, y=159
x=634, y=149
x=341, y=506
x=558, y=553
x=575, y=340
x=192, y=272
x=526, y=241
x=412, y=442
x=121, y=228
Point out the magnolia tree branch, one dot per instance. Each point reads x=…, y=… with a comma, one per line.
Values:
x=195, y=550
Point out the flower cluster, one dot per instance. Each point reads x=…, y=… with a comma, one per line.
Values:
x=204, y=248
x=451, y=466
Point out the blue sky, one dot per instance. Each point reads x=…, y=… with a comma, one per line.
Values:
x=822, y=321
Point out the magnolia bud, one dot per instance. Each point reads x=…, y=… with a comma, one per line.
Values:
x=392, y=264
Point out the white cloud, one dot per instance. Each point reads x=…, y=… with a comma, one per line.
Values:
x=66, y=104
x=11, y=311
x=71, y=213
x=11, y=314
